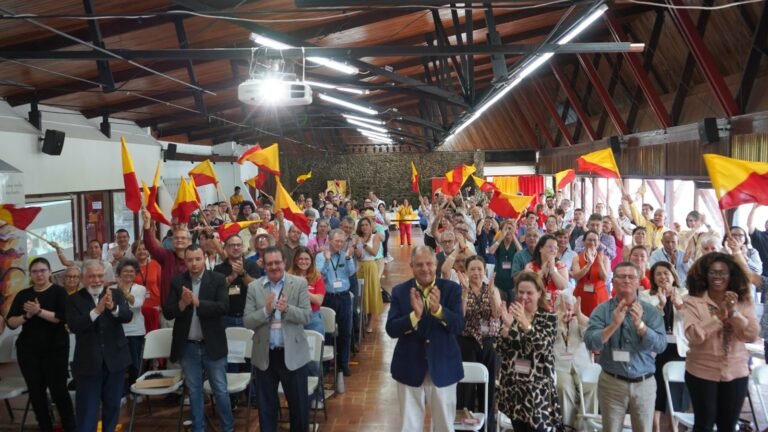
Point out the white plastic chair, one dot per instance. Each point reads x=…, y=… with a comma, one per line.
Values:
x=674, y=371
x=316, y=343
x=157, y=345
x=329, y=322
x=593, y=421
x=11, y=386
x=760, y=378
x=476, y=373
x=240, y=346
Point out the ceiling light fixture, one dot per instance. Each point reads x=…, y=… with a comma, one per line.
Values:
x=363, y=119
x=374, y=134
x=271, y=43
x=367, y=125
x=333, y=87
x=534, y=63
x=346, y=104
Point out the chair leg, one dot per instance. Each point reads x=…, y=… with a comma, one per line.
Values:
x=10, y=411
x=24, y=417
x=133, y=414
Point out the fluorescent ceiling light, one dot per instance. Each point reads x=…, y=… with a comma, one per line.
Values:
x=346, y=104
x=373, y=134
x=381, y=140
x=331, y=86
x=530, y=67
x=367, y=125
x=271, y=43
x=363, y=119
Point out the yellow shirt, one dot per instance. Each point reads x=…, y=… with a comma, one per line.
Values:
x=653, y=232
x=404, y=213
x=236, y=199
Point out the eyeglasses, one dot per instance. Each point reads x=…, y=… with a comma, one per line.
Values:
x=715, y=273
x=737, y=235
x=39, y=271
x=71, y=277
x=235, y=245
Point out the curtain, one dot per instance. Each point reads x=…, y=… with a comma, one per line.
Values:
x=507, y=184
x=532, y=185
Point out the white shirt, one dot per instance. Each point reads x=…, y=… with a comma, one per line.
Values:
x=136, y=326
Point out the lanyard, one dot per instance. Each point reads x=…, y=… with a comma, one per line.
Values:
x=337, y=265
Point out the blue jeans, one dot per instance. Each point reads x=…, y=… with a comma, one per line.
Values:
x=136, y=348
x=103, y=389
x=342, y=304
x=192, y=363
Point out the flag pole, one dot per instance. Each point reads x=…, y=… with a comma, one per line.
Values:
x=725, y=224
x=38, y=236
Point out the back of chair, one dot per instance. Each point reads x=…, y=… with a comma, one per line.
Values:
x=157, y=344
x=760, y=374
x=590, y=374
x=8, y=345
x=239, y=342
x=72, y=341
x=329, y=319
x=475, y=373
x=315, y=341
x=674, y=371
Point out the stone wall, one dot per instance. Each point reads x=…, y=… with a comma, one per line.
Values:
x=387, y=174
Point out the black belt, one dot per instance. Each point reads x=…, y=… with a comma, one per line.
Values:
x=198, y=342
x=277, y=349
x=631, y=380
x=336, y=294
x=236, y=315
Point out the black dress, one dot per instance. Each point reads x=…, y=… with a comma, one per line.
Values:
x=43, y=354
x=679, y=393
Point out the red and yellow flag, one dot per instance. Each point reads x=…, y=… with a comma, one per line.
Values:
x=266, y=159
x=484, y=186
x=600, y=162
x=455, y=178
x=132, y=194
x=509, y=206
x=736, y=181
x=304, y=177
x=291, y=211
x=186, y=202
x=150, y=203
x=564, y=178
x=204, y=174
x=229, y=229
x=258, y=181
x=414, y=178
x=192, y=183
x=18, y=217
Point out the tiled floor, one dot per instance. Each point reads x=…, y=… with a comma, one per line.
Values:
x=369, y=402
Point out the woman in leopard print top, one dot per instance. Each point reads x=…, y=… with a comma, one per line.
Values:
x=527, y=392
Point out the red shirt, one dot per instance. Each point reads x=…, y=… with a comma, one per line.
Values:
x=316, y=288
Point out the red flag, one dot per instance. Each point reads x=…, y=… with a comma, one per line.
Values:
x=564, y=178
x=600, y=162
x=18, y=217
x=414, y=178
x=291, y=211
x=509, y=206
x=258, y=181
x=204, y=174
x=267, y=159
x=484, y=186
x=132, y=193
x=455, y=178
x=229, y=229
x=185, y=203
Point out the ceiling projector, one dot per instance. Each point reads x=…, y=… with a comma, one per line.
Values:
x=271, y=91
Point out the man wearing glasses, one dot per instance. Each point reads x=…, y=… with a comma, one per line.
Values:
x=626, y=332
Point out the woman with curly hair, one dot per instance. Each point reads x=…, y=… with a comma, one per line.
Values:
x=719, y=318
x=527, y=392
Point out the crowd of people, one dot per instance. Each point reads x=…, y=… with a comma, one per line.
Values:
x=534, y=299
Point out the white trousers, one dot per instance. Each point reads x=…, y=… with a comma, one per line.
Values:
x=413, y=406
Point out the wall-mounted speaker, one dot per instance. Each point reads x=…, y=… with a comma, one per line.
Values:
x=615, y=144
x=170, y=152
x=708, y=133
x=53, y=142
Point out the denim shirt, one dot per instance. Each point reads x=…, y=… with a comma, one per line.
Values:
x=344, y=269
x=641, y=358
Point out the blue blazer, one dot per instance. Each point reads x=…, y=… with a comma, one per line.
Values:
x=432, y=346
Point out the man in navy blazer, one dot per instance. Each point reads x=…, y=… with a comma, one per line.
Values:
x=425, y=317
x=96, y=315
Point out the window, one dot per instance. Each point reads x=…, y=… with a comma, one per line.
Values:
x=123, y=217
x=53, y=223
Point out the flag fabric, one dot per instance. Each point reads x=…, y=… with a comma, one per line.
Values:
x=227, y=230
x=304, y=177
x=509, y=206
x=455, y=178
x=150, y=203
x=19, y=217
x=204, y=174
x=564, y=178
x=414, y=178
x=132, y=193
x=192, y=183
x=258, y=181
x=185, y=203
x=266, y=159
x=600, y=162
x=484, y=185
x=736, y=181
x=291, y=211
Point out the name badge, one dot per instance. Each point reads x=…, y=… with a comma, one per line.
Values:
x=337, y=284
x=234, y=290
x=523, y=367
x=620, y=356
x=671, y=338
x=567, y=356
x=506, y=265
x=588, y=287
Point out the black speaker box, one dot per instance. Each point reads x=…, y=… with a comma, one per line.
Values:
x=708, y=133
x=53, y=143
x=615, y=144
x=170, y=152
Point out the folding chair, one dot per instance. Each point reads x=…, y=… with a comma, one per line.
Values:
x=157, y=345
x=590, y=375
x=240, y=345
x=316, y=343
x=674, y=371
x=329, y=351
x=358, y=306
x=476, y=373
x=14, y=386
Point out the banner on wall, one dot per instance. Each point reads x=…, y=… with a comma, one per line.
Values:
x=339, y=187
x=13, y=242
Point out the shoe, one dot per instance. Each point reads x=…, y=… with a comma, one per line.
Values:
x=346, y=371
x=401, y=246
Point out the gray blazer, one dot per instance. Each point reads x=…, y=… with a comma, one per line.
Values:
x=298, y=314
